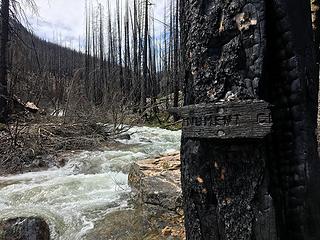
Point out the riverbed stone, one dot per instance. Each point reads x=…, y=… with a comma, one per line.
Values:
x=31, y=228
x=124, y=137
x=138, y=224
x=157, y=182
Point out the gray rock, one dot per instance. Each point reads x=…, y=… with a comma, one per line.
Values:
x=124, y=137
x=157, y=182
x=32, y=228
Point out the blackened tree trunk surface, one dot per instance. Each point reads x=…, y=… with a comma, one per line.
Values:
x=144, y=80
x=5, y=4
x=176, y=59
x=315, y=10
x=248, y=188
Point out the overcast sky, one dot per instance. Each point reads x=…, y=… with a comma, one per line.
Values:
x=66, y=18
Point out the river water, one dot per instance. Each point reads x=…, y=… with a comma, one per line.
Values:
x=91, y=185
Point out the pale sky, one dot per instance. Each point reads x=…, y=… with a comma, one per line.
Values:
x=66, y=18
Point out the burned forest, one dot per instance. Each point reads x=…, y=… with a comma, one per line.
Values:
x=158, y=120
x=120, y=61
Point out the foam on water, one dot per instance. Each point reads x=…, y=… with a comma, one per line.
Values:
x=91, y=185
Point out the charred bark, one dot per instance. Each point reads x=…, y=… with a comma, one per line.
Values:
x=249, y=188
x=144, y=79
x=292, y=87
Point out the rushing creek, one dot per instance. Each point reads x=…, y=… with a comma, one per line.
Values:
x=92, y=184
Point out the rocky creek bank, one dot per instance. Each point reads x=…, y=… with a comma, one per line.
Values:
x=156, y=214
x=30, y=147
x=156, y=188
x=157, y=204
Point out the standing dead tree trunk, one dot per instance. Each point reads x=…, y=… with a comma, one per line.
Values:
x=136, y=74
x=315, y=10
x=242, y=187
x=5, y=5
x=144, y=79
x=121, y=78
x=101, y=82
x=87, y=53
x=127, y=56
x=176, y=59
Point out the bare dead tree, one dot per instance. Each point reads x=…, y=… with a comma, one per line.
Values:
x=144, y=80
x=5, y=6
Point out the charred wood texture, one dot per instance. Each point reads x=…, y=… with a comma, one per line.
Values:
x=315, y=10
x=293, y=90
x=246, y=188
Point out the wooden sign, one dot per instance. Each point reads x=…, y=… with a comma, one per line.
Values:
x=226, y=120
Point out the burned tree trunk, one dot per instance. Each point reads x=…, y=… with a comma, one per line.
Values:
x=292, y=87
x=244, y=186
x=315, y=11
x=144, y=80
x=5, y=4
x=176, y=59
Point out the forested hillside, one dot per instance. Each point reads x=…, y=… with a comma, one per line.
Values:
x=122, y=61
x=125, y=71
x=40, y=71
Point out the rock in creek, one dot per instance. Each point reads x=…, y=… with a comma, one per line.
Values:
x=157, y=182
x=124, y=137
x=156, y=188
x=32, y=228
x=157, y=212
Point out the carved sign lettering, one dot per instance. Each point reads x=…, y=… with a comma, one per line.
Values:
x=226, y=120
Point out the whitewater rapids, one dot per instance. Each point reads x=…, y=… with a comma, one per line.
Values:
x=92, y=184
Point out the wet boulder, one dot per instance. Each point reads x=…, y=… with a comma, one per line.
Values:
x=31, y=228
x=124, y=137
